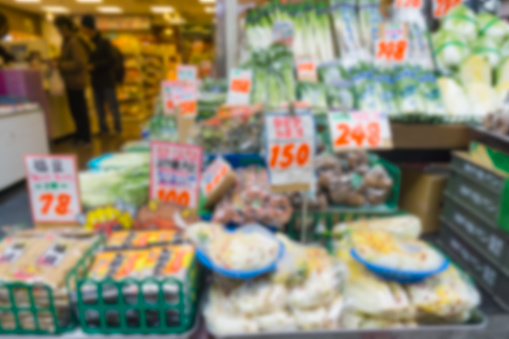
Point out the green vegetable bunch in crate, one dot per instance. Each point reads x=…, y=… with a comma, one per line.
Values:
x=138, y=291
x=34, y=297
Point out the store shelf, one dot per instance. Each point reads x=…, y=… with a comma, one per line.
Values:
x=489, y=138
x=430, y=136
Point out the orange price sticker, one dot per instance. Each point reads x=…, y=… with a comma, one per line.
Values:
x=53, y=186
x=442, y=7
x=417, y=4
x=216, y=179
x=187, y=107
x=290, y=149
x=182, y=198
x=363, y=130
x=392, y=50
x=240, y=85
x=306, y=70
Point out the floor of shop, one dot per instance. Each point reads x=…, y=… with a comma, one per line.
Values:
x=15, y=213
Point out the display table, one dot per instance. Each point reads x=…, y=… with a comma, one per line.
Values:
x=22, y=131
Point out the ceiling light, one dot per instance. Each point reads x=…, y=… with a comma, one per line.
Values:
x=161, y=9
x=208, y=1
x=210, y=9
x=56, y=9
x=28, y=1
x=90, y=1
x=109, y=9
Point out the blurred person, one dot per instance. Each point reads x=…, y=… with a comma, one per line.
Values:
x=73, y=66
x=102, y=65
x=5, y=55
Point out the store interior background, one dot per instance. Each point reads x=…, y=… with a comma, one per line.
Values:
x=153, y=36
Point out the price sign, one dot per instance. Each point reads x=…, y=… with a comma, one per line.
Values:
x=283, y=32
x=187, y=73
x=239, y=87
x=306, y=70
x=290, y=151
x=179, y=94
x=392, y=44
x=214, y=175
x=359, y=130
x=442, y=7
x=184, y=98
x=175, y=173
x=53, y=186
x=415, y=4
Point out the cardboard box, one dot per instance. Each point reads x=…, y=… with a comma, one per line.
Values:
x=422, y=195
x=430, y=136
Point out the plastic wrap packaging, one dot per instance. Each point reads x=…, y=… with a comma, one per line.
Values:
x=303, y=294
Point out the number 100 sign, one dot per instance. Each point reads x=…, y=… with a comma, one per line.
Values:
x=359, y=130
x=290, y=151
x=53, y=188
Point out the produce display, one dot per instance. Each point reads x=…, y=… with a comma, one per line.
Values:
x=469, y=55
x=347, y=179
x=39, y=260
x=497, y=122
x=164, y=216
x=251, y=200
x=303, y=294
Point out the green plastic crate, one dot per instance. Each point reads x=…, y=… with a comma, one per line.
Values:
x=30, y=305
x=132, y=306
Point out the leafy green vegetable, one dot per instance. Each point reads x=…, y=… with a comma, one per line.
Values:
x=475, y=68
x=450, y=49
x=492, y=27
x=461, y=20
x=488, y=48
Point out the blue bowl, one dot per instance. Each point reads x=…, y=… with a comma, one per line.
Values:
x=204, y=258
x=401, y=276
x=95, y=163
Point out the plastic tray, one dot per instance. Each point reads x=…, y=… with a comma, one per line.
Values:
x=492, y=242
x=132, y=306
x=477, y=322
x=485, y=272
x=480, y=196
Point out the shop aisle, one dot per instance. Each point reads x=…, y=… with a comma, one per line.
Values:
x=14, y=204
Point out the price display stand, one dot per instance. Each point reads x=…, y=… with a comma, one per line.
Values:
x=175, y=171
x=290, y=152
x=53, y=188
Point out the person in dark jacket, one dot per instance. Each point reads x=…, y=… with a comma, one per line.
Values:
x=4, y=30
x=73, y=66
x=102, y=69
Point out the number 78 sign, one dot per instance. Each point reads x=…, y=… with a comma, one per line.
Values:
x=290, y=151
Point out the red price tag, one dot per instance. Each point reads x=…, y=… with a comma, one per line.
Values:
x=175, y=171
x=187, y=107
x=416, y=4
x=359, y=130
x=306, y=70
x=442, y=7
x=290, y=150
x=240, y=86
x=53, y=185
x=392, y=50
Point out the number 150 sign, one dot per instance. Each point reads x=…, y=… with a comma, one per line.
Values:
x=290, y=151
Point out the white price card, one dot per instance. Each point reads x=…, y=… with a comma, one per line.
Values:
x=184, y=92
x=53, y=188
x=392, y=43
x=184, y=99
x=175, y=173
x=239, y=88
x=359, y=130
x=187, y=73
x=290, y=151
x=283, y=32
x=306, y=70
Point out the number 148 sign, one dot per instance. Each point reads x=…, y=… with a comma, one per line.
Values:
x=290, y=151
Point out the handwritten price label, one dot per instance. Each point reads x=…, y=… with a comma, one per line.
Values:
x=442, y=7
x=53, y=185
x=175, y=173
x=359, y=130
x=239, y=87
x=214, y=175
x=391, y=50
x=290, y=151
x=179, y=94
x=283, y=32
x=416, y=4
x=306, y=70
